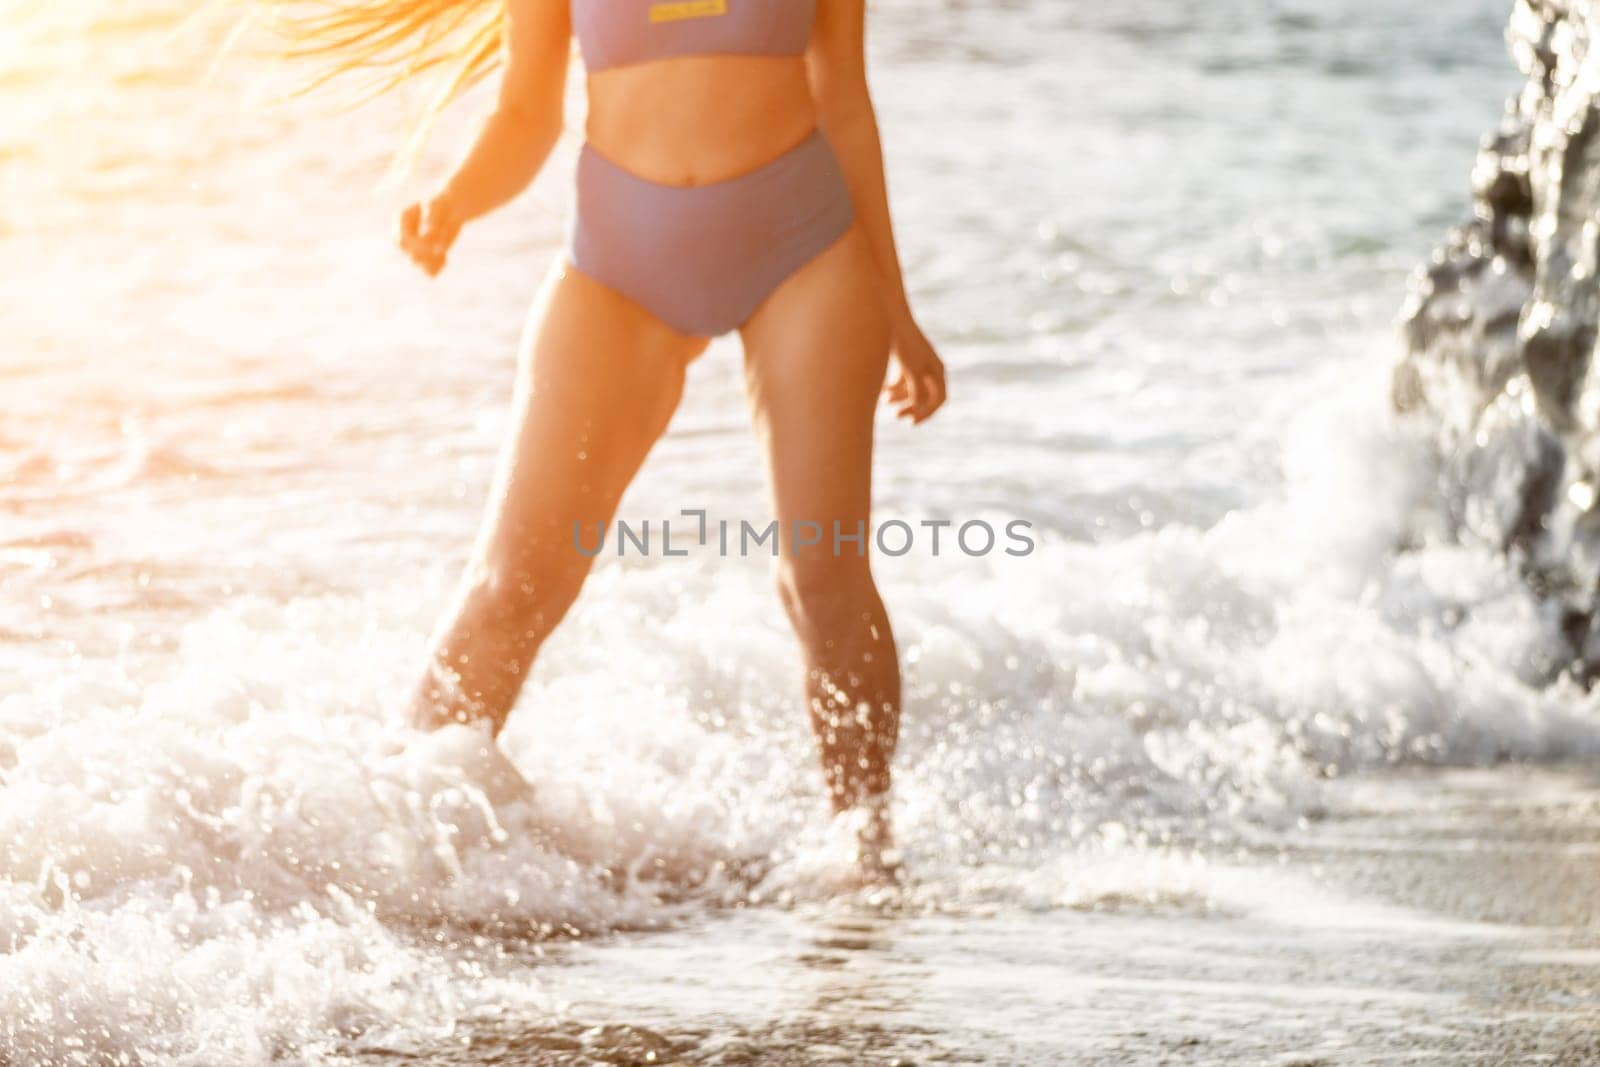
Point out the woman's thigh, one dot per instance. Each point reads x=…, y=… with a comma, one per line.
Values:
x=815, y=356
x=598, y=378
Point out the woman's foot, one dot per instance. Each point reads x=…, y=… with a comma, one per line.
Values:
x=468, y=754
x=866, y=832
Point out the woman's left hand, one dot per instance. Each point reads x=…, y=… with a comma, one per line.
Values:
x=916, y=390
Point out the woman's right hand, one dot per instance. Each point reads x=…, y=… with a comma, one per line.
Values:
x=426, y=230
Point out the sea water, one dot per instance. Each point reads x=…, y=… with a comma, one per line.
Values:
x=244, y=447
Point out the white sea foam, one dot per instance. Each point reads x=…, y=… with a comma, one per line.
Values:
x=225, y=861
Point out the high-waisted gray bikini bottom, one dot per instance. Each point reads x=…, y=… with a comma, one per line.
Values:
x=702, y=258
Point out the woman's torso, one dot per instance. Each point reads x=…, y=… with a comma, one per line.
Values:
x=664, y=110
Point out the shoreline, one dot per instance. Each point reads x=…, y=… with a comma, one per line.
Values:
x=1435, y=916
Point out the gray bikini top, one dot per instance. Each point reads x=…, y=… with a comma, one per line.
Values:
x=621, y=33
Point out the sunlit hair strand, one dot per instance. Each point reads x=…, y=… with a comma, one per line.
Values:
x=447, y=46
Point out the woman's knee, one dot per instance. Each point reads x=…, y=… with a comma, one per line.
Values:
x=825, y=594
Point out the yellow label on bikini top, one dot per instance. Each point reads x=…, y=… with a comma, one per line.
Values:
x=687, y=9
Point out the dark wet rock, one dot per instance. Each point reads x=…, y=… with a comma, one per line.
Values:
x=1501, y=324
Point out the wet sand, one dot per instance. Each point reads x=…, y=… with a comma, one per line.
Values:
x=1431, y=917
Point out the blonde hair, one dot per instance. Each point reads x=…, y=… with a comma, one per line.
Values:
x=449, y=45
